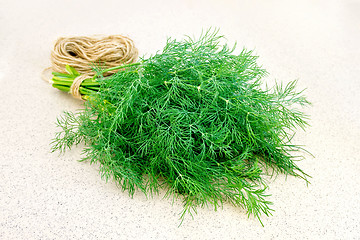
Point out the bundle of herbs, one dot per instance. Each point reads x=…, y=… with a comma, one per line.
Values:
x=194, y=119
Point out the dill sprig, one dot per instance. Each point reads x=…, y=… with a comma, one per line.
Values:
x=193, y=119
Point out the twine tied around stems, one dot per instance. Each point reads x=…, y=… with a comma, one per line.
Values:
x=83, y=52
x=75, y=86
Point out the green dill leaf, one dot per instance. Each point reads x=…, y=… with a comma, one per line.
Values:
x=193, y=119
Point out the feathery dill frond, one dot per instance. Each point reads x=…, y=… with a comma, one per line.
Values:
x=192, y=119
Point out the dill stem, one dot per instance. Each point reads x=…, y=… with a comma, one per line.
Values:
x=120, y=67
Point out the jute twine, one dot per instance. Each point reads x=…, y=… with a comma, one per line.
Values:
x=83, y=51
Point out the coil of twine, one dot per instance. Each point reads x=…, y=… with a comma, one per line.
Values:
x=83, y=51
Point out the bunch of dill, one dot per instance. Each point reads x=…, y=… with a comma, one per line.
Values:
x=194, y=120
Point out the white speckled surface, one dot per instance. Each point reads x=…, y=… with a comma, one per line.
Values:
x=44, y=196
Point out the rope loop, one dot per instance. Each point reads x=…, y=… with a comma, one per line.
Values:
x=80, y=52
x=75, y=86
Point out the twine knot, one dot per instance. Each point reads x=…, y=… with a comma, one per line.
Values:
x=75, y=86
